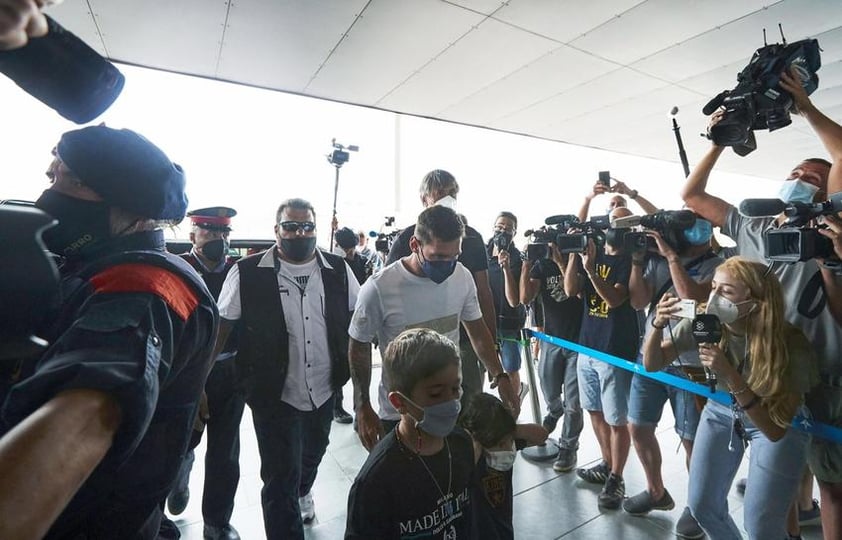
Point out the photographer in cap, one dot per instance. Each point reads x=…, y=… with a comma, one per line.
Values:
x=93, y=431
x=812, y=292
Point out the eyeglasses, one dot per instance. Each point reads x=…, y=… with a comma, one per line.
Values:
x=295, y=226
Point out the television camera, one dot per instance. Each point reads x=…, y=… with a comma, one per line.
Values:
x=555, y=231
x=794, y=241
x=671, y=225
x=758, y=101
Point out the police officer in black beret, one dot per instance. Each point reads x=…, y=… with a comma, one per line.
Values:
x=93, y=432
x=209, y=256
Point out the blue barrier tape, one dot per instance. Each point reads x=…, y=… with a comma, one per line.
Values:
x=817, y=429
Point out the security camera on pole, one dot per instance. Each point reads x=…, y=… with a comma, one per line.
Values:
x=338, y=157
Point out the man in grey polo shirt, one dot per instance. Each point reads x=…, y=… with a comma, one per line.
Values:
x=812, y=291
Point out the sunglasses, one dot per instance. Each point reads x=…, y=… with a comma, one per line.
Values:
x=295, y=226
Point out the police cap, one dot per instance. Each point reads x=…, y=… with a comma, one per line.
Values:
x=215, y=218
x=126, y=170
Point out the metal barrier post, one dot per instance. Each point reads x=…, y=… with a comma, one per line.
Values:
x=548, y=450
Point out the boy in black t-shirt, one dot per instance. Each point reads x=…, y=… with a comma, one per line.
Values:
x=416, y=481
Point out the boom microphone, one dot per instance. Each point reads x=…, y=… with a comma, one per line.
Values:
x=561, y=218
x=762, y=207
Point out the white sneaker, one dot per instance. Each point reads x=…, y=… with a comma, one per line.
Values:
x=308, y=507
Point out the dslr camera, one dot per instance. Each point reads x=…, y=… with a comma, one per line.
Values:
x=758, y=101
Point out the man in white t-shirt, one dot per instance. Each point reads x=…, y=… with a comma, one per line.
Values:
x=427, y=289
x=295, y=303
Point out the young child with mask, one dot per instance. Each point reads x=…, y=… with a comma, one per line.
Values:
x=416, y=480
x=497, y=438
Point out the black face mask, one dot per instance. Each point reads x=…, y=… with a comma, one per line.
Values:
x=215, y=250
x=81, y=223
x=298, y=249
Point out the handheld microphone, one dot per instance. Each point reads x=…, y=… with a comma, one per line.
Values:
x=761, y=207
x=710, y=377
x=674, y=111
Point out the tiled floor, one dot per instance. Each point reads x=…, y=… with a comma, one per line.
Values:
x=547, y=505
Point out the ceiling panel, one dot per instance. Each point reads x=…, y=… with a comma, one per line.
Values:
x=737, y=40
x=560, y=70
x=484, y=55
x=275, y=44
x=598, y=73
x=181, y=35
x=563, y=20
x=383, y=48
x=659, y=25
x=612, y=88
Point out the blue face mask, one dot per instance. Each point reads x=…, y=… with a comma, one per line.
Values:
x=437, y=271
x=797, y=191
x=439, y=419
x=700, y=233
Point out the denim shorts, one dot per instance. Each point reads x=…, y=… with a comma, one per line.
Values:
x=604, y=387
x=647, y=399
x=510, y=349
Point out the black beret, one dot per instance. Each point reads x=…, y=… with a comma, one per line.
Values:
x=346, y=238
x=126, y=170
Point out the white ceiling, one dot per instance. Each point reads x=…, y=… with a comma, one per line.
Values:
x=597, y=73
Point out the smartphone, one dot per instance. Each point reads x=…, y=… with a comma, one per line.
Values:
x=687, y=309
x=605, y=178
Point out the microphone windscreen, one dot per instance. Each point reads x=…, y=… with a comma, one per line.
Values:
x=761, y=207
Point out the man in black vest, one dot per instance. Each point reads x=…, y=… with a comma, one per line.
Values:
x=225, y=403
x=295, y=303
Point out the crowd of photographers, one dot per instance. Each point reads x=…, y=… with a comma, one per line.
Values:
x=147, y=349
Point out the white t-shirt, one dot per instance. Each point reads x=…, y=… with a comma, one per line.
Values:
x=396, y=300
x=308, y=382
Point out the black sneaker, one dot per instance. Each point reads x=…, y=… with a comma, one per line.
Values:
x=550, y=422
x=688, y=527
x=566, y=460
x=643, y=503
x=612, y=493
x=598, y=474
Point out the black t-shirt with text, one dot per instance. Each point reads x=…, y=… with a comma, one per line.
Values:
x=562, y=314
x=611, y=330
x=397, y=494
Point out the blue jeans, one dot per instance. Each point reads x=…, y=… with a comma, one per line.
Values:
x=510, y=350
x=291, y=445
x=557, y=371
x=773, y=476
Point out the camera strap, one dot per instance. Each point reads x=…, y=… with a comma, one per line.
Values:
x=668, y=284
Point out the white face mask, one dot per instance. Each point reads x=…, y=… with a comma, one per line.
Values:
x=448, y=202
x=797, y=191
x=726, y=310
x=501, y=460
